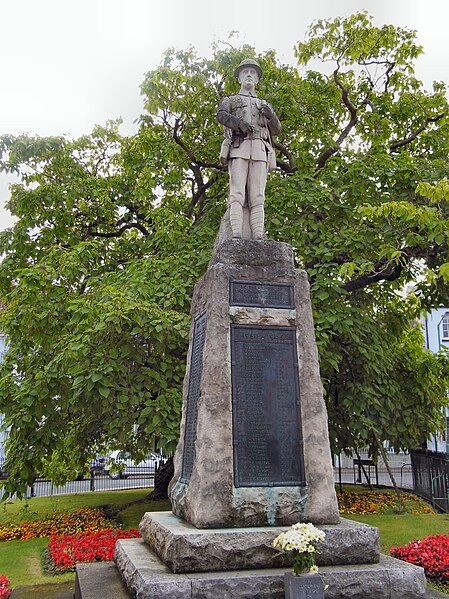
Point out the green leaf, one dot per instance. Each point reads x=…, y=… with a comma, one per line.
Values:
x=104, y=391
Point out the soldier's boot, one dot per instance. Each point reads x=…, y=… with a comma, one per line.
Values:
x=236, y=219
x=256, y=219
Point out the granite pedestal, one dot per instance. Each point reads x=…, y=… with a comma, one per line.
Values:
x=175, y=560
x=254, y=454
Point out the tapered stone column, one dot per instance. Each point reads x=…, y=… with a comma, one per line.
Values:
x=254, y=447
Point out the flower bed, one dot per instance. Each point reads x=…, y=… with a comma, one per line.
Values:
x=431, y=553
x=377, y=502
x=64, y=552
x=5, y=593
x=69, y=523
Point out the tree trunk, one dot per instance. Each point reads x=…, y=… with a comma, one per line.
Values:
x=383, y=453
x=162, y=478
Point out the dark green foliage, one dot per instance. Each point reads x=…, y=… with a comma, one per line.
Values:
x=49, y=567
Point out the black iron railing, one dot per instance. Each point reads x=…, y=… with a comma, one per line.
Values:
x=431, y=476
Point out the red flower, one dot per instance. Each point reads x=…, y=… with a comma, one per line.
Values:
x=68, y=550
x=5, y=593
x=431, y=553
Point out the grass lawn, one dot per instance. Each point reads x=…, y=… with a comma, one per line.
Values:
x=398, y=529
x=20, y=560
x=44, y=505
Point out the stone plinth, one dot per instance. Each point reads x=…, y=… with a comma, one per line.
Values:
x=212, y=486
x=148, y=578
x=184, y=548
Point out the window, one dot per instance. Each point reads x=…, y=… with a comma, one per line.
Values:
x=445, y=328
x=2, y=344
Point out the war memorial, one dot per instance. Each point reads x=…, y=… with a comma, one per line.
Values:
x=254, y=454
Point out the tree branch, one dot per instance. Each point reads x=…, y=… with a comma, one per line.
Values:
x=188, y=151
x=394, y=147
x=287, y=167
x=120, y=231
x=344, y=134
x=383, y=270
x=391, y=66
x=199, y=196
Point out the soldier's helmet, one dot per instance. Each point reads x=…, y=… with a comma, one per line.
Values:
x=248, y=62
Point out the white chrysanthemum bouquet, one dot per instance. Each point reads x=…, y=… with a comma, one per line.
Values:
x=300, y=540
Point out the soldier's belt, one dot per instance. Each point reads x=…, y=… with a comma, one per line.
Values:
x=249, y=136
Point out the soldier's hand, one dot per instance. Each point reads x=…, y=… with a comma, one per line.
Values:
x=267, y=112
x=245, y=127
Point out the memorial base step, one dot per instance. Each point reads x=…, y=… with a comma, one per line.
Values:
x=184, y=548
x=147, y=577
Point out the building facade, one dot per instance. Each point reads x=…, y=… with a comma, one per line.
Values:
x=436, y=337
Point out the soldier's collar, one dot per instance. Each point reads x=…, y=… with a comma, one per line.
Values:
x=246, y=93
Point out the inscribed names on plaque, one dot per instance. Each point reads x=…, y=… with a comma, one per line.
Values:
x=196, y=369
x=306, y=587
x=261, y=295
x=265, y=407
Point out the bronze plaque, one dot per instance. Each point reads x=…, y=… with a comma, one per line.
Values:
x=261, y=295
x=196, y=369
x=265, y=407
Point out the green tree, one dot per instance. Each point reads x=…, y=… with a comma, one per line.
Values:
x=97, y=278
x=113, y=232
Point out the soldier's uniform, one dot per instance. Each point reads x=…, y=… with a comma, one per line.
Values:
x=250, y=156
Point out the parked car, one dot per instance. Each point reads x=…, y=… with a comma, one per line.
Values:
x=98, y=464
x=124, y=466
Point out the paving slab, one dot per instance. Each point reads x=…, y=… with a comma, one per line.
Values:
x=99, y=580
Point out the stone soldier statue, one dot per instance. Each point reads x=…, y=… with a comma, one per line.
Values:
x=249, y=124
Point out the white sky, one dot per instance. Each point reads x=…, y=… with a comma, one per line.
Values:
x=67, y=65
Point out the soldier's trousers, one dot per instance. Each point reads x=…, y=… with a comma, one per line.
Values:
x=247, y=179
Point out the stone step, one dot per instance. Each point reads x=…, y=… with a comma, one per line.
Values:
x=148, y=578
x=100, y=579
x=184, y=548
